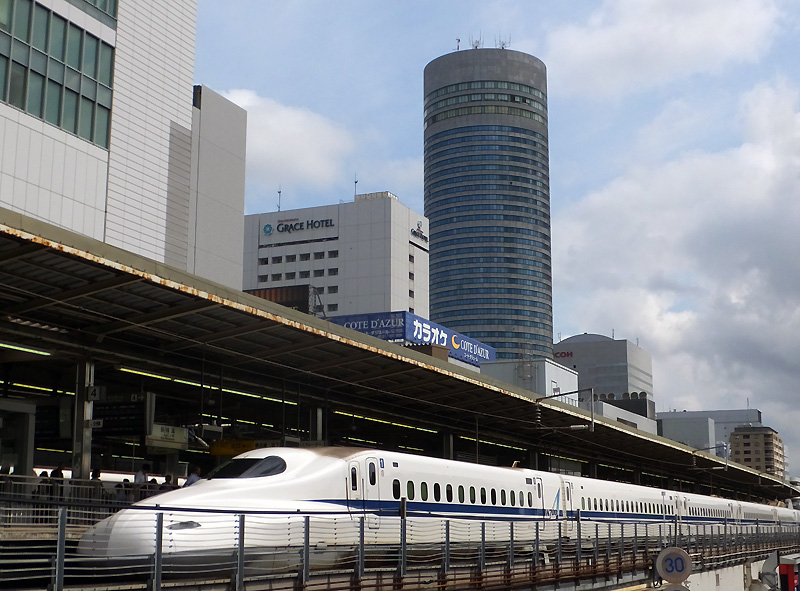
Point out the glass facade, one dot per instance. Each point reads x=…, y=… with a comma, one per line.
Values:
x=488, y=200
x=55, y=71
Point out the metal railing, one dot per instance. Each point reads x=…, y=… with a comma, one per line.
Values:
x=50, y=547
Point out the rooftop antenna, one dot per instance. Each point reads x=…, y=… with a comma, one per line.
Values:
x=476, y=43
x=501, y=43
x=458, y=44
x=355, y=185
x=279, y=197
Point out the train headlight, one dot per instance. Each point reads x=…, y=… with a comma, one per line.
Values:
x=183, y=525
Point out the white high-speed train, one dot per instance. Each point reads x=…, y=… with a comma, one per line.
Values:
x=278, y=488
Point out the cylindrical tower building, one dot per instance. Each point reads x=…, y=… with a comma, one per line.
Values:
x=487, y=197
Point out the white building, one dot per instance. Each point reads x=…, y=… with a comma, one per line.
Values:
x=104, y=134
x=368, y=255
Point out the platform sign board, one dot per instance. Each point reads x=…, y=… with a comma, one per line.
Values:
x=122, y=414
x=674, y=565
x=168, y=437
x=413, y=329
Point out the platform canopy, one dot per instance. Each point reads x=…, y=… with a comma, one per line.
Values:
x=74, y=298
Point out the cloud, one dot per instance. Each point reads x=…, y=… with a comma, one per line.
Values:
x=628, y=46
x=291, y=147
x=698, y=257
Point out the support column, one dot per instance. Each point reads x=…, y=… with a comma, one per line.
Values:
x=81, y=425
x=448, y=452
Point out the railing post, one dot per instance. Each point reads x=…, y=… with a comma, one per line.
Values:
x=510, y=545
x=157, y=555
x=306, y=572
x=240, y=556
x=482, y=553
x=608, y=548
x=635, y=543
x=596, y=547
x=61, y=549
x=361, y=557
x=536, y=558
x=446, y=555
x=579, y=543
x=401, y=568
x=558, y=551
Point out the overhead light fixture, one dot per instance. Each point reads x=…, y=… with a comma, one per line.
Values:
x=24, y=349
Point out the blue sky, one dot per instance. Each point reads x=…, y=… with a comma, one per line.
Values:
x=674, y=158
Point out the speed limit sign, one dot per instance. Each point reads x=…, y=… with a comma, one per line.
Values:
x=674, y=565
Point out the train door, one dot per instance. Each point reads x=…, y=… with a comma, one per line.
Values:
x=536, y=497
x=355, y=492
x=567, y=509
x=372, y=492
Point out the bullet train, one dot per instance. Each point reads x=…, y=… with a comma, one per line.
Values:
x=278, y=489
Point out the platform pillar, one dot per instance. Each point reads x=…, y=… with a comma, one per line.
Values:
x=82, y=416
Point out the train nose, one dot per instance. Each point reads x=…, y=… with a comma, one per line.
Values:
x=127, y=533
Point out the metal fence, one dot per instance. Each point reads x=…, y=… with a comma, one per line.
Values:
x=45, y=545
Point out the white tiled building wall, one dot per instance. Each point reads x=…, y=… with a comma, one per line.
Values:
x=150, y=149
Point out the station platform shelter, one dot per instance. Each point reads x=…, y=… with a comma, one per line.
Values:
x=109, y=360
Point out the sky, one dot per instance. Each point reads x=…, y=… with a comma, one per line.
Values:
x=674, y=158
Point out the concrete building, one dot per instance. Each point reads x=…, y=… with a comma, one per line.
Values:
x=487, y=198
x=685, y=426
x=103, y=133
x=760, y=448
x=619, y=372
x=369, y=255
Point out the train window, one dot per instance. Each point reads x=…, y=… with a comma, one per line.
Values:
x=472, y=494
x=567, y=495
x=595, y=504
x=502, y=497
x=460, y=494
x=353, y=479
x=627, y=507
x=483, y=496
x=530, y=499
x=539, y=489
x=493, y=494
x=396, y=488
x=521, y=499
x=423, y=491
x=249, y=468
x=528, y=481
x=410, y=490
x=449, y=492
x=437, y=492
x=373, y=474
x=513, y=498
x=583, y=503
x=617, y=505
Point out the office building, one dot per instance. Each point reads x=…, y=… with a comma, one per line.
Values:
x=760, y=448
x=488, y=200
x=619, y=372
x=368, y=255
x=706, y=428
x=104, y=134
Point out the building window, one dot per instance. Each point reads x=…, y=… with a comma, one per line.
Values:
x=333, y=254
x=263, y=261
x=304, y=274
x=319, y=272
x=263, y=278
x=290, y=276
x=411, y=258
x=290, y=258
x=276, y=276
x=78, y=102
x=411, y=276
x=304, y=256
x=319, y=255
x=411, y=310
x=276, y=260
x=333, y=289
x=333, y=271
x=411, y=293
x=333, y=307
